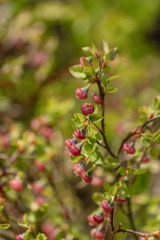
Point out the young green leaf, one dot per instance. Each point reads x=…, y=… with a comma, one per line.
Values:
x=77, y=71
x=156, y=136
x=41, y=236
x=111, y=89
x=4, y=226
x=105, y=47
x=95, y=117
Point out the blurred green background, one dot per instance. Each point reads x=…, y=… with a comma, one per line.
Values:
x=40, y=40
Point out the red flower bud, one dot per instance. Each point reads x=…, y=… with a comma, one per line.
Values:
x=87, y=108
x=37, y=187
x=98, y=218
x=145, y=159
x=69, y=142
x=39, y=165
x=91, y=220
x=19, y=237
x=86, y=178
x=129, y=148
x=78, y=169
x=106, y=206
x=75, y=149
x=97, y=99
x=82, y=93
x=97, y=182
x=78, y=134
x=40, y=200
x=99, y=235
x=16, y=185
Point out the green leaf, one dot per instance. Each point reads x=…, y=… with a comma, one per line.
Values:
x=107, y=69
x=156, y=136
x=113, y=190
x=139, y=171
x=112, y=54
x=88, y=50
x=89, y=72
x=111, y=163
x=121, y=171
x=97, y=197
x=78, y=120
x=97, y=158
x=156, y=103
x=88, y=147
x=4, y=226
x=146, y=138
x=41, y=236
x=25, y=220
x=126, y=190
x=105, y=47
x=106, y=186
x=77, y=71
x=76, y=159
x=111, y=89
x=95, y=117
x=110, y=79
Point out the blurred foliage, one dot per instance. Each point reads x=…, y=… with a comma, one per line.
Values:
x=40, y=40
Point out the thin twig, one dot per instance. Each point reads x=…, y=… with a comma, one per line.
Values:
x=101, y=91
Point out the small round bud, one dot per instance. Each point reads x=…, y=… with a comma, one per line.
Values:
x=78, y=134
x=16, y=185
x=19, y=237
x=69, y=142
x=39, y=165
x=87, y=108
x=129, y=148
x=91, y=220
x=37, y=187
x=99, y=235
x=97, y=99
x=106, y=206
x=78, y=169
x=75, y=149
x=145, y=159
x=97, y=182
x=86, y=178
x=82, y=93
x=98, y=218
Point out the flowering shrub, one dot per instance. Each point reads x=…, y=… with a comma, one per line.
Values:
x=39, y=198
x=90, y=149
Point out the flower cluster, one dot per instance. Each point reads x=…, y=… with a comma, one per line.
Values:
x=90, y=148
